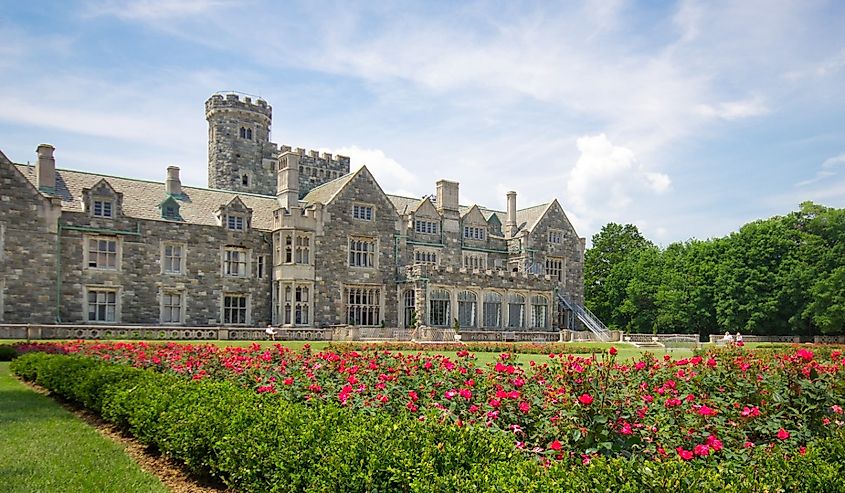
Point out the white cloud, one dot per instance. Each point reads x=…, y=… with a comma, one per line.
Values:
x=827, y=170
x=392, y=176
x=735, y=110
x=153, y=10
x=606, y=177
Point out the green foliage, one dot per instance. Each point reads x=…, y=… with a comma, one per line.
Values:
x=261, y=442
x=7, y=352
x=783, y=275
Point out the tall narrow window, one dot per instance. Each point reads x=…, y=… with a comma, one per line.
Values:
x=516, y=311
x=288, y=249
x=363, y=306
x=492, y=310
x=261, y=267
x=466, y=309
x=243, y=132
x=539, y=312
x=245, y=180
x=102, y=305
x=249, y=134
x=288, y=305
x=301, y=306
x=172, y=259
x=440, y=312
x=409, y=303
x=303, y=249
x=171, y=308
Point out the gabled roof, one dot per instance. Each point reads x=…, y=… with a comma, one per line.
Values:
x=405, y=205
x=529, y=217
x=141, y=198
x=327, y=191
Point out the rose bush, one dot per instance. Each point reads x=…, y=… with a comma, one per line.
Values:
x=712, y=406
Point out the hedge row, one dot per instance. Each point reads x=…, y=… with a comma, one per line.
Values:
x=259, y=442
x=472, y=346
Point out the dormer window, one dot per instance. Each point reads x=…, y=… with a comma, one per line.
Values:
x=103, y=208
x=474, y=233
x=170, y=209
x=234, y=222
x=428, y=227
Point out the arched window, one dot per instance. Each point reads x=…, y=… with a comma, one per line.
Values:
x=492, y=310
x=288, y=299
x=440, y=312
x=539, y=312
x=466, y=309
x=243, y=132
x=516, y=310
x=249, y=134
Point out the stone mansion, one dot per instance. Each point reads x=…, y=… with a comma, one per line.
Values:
x=281, y=235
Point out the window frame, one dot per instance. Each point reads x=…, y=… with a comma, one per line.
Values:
x=226, y=261
x=363, y=212
x=555, y=236
x=103, y=202
x=371, y=255
x=233, y=220
x=361, y=314
x=86, y=303
x=163, y=306
x=224, y=310
x=182, y=258
x=87, y=253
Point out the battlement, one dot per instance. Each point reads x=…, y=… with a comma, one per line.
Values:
x=230, y=100
x=317, y=159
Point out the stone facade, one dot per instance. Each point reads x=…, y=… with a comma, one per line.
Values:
x=282, y=236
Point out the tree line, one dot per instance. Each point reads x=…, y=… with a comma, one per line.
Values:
x=779, y=276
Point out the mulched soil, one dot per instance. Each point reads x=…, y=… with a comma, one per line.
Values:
x=170, y=472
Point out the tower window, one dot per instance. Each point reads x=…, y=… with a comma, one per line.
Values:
x=249, y=133
x=243, y=132
x=245, y=180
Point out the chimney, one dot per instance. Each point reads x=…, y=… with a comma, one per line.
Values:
x=287, y=181
x=45, y=169
x=510, y=222
x=173, y=185
x=447, y=196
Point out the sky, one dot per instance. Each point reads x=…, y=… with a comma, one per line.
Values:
x=687, y=119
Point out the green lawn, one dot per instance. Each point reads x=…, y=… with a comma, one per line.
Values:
x=44, y=448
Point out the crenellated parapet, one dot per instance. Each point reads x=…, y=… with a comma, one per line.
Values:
x=233, y=101
x=316, y=168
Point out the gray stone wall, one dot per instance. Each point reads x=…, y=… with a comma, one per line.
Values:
x=140, y=281
x=331, y=262
x=570, y=249
x=231, y=157
x=27, y=251
x=316, y=168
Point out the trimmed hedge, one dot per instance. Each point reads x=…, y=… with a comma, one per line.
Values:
x=259, y=442
x=8, y=352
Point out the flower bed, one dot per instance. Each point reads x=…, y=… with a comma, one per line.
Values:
x=574, y=408
x=478, y=347
x=264, y=442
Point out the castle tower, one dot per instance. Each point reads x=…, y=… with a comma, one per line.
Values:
x=240, y=155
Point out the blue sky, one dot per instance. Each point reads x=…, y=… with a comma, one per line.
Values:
x=686, y=118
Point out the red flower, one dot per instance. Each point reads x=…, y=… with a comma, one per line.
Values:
x=685, y=454
x=612, y=351
x=706, y=411
x=555, y=445
x=701, y=450
x=714, y=443
x=585, y=399
x=524, y=407
x=805, y=354
x=783, y=434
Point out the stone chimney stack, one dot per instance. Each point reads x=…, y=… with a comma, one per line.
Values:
x=447, y=196
x=173, y=185
x=287, y=181
x=510, y=222
x=45, y=169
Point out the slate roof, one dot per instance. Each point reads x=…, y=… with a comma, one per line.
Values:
x=326, y=192
x=141, y=198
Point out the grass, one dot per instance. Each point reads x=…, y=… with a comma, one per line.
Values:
x=45, y=448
